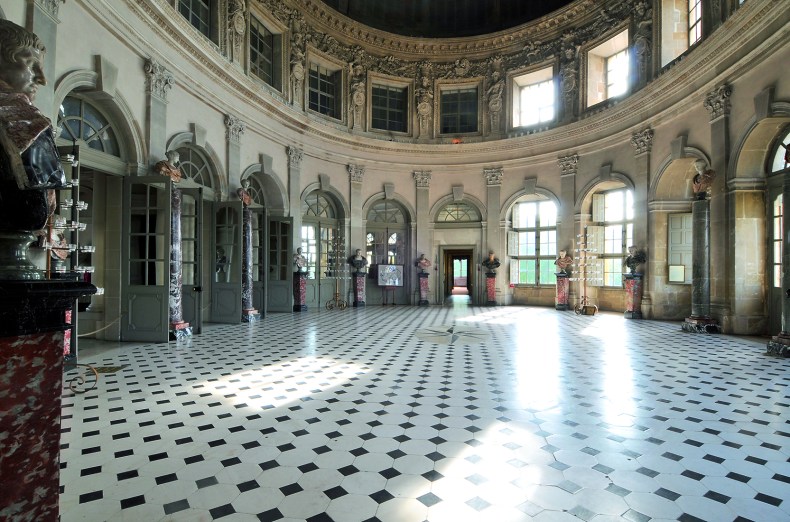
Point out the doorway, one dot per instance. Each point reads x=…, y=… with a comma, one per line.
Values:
x=457, y=275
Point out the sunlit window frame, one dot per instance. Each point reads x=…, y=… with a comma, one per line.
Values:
x=545, y=231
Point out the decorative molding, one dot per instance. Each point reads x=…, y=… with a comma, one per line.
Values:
x=718, y=102
x=159, y=80
x=494, y=176
x=294, y=157
x=642, y=141
x=569, y=165
x=234, y=128
x=51, y=7
x=422, y=178
x=355, y=173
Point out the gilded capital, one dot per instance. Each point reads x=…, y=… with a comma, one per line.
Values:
x=422, y=178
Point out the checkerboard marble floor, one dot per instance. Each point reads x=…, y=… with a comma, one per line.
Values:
x=431, y=414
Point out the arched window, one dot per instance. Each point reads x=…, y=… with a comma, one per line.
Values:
x=776, y=241
x=81, y=122
x=458, y=212
x=256, y=191
x=386, y=233
x=532, y=244
x=612, y=232
x=194, y=166
x=319, y=233
x=781, y=158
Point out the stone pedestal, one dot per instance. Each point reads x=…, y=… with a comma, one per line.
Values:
x=248, y=312
x=423, y=277
x=700, y=320
x=32, y=326
x=300, y=291
x=562, y=291
x=359, y=289
x=491, y=288
x=633, y=296
x=779, y=345
x=178, y=328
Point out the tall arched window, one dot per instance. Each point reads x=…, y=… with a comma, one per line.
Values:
x=612, y=232
x=81, y=122
x=532, y=245
x=458, y=212
x=319, y=230
x=386, y=234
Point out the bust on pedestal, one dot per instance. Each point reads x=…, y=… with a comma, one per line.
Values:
x=300, y=281
x=564, y=263
x=633, y=283
x=491, y=263
x=359, y=262
x=422, y=263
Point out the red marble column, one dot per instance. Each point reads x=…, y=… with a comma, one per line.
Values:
x=359, y=289
x=423, y=276
x=491, y=289
x=300, y=291
x=633, y=296
x=561, y=296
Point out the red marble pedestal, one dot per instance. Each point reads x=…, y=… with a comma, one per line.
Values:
x=633, y=296
x=561, y=295
x=491, y=289
x=359, y=289
x=423, y=276
x=300, y=291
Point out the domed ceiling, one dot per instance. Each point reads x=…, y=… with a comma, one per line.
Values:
x=444, y=18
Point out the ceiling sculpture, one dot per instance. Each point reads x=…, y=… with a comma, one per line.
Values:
x=444, y=18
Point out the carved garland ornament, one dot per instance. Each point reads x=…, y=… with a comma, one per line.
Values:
x=569, y=164
x=718, y=101
x=235, y=127
x=294, y=157
x=643, y=141
x=493, y=176
x=422, y=178
x=356, y=173
x=159, y=80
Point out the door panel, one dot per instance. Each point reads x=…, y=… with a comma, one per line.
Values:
x=226, y=282
x=775, y=246
x=259, y=260
x=278, y=265
x=145, y=252
x=191, y=257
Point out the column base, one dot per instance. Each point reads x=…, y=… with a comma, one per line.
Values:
x=359, y=304
x=300, y=308
x=700, y=325
x=250, y=316
x=179, y=331
x=561, y=307
x=779, y=345
x=632, y=315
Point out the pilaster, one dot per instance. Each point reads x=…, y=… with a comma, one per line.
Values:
x=422, y=180
x=42, y=19
x=158, y=82
x=643, y=144
x=234, y=129
x=295, y=156
x=356, y=173
x=566, y=228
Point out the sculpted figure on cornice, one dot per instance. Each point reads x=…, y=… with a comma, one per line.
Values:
x=643, y=40
x=424, y=94
x=297, y=57
x=237, y=26
x=569, y=78
x=356, y=107
x=494, y=93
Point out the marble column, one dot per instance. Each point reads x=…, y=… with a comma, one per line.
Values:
x=633, y=296
x=561, y=294
x=248, y=312
x=359, y=289
x=300, y=291
x=491, y=289
x=780, y=344
x=178, y=328
x=423, y=277
x=700, y=320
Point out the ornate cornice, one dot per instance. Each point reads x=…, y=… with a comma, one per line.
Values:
x=355, y=173
x=493, y=176
x=51, y=7
x=294, y=157
x=718, y=101
x=422, y=178
x=234, y=128
x=568, y=164
x=642, y=141
x=159, y=80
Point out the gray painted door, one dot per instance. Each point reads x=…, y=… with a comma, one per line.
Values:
x=192, y=258
x=145, y=257
x=278, y=264
x=259, y=260
x=776, y=295
x=226, y=281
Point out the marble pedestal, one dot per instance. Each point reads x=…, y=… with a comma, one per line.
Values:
x=359, y=289
x=633, y=296
x=300, y=291
x=423, y=277
x=491, y=288
x=561, y=294
x=779, y=345
x=32, y=326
